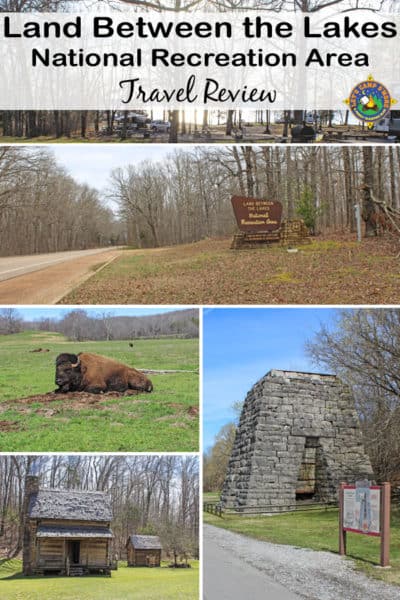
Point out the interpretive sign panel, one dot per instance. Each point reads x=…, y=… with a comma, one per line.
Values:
x=361, y=509
x=365, y=508
x=256, y=214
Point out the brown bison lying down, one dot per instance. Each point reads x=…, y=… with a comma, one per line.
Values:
x=86, y=372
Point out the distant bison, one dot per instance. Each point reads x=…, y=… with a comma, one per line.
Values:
x=86, y=372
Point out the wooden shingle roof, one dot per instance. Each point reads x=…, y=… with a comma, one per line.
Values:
x=145, y=542
x=70, y=505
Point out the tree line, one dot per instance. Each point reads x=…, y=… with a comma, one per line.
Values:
x=42, y=208
x=153, y=495
x=186, y=197
x=81, y=325
x=361, y=347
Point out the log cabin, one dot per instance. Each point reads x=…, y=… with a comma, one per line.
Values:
x=144, y=551
x=66, y=532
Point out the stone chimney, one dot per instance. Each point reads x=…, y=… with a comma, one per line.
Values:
x=28, y=551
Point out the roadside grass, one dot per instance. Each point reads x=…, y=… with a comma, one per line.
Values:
x=133, y=583
x=329, y=270
x=316, y=529
x=159, y=421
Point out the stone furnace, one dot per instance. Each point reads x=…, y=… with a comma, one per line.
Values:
x=298, y=437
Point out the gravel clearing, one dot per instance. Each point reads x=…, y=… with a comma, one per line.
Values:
x=306, y=573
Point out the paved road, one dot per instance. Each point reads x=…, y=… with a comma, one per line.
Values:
x=46, y=278
x=240, y=568
x=14, y=266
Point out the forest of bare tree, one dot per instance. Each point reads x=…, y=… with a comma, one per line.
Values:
x=42, y=209
x=154, y=495
x=186, y=196
x=80, y=325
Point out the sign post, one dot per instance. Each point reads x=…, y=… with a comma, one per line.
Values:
x=365, y=509
x=385, y=527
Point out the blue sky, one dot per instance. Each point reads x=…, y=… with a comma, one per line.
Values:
x=34, y=314
x=242, y=345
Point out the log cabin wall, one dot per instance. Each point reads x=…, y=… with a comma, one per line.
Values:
x=140, y=558
x=50, y=552
x=94, y=552
x=74, y=523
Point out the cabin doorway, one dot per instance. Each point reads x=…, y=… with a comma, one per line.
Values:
x=74, y=552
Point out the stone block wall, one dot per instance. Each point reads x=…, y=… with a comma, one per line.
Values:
x=282, y=413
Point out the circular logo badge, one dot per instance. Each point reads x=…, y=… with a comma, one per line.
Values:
x=369, y=101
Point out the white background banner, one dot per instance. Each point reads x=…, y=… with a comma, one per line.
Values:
x=220, y=60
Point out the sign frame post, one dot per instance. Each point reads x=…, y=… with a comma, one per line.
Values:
x=342, y=532
x=385, y=525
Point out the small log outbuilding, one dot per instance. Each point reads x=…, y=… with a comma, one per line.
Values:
x=144, y=551
x=66, y=532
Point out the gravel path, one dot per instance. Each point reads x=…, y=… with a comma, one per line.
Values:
x=307, y=574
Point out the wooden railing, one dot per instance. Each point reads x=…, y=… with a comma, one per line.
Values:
x=214, y=509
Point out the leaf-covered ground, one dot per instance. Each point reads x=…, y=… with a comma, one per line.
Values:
x=330, y=270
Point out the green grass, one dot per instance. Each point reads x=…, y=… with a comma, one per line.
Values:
x=316, y=529
x=133, y=583
x=145, y=422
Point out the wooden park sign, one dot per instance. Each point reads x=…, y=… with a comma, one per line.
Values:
x=365, y=508
x=256, y=214
x=260, y=222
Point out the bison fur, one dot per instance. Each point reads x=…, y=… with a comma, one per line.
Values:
x=96, y=374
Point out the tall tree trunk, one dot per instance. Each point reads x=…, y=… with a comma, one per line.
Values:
x=229, y=123
x=369, y=208
x=173, y=132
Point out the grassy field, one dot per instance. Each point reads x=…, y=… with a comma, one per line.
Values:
x=327, y=271
x=165, y=420
x=316, y=529
x=125, y=583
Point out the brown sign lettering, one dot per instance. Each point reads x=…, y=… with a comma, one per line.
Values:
x=256, y=214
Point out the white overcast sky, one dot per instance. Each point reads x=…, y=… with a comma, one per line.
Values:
x=93, y=164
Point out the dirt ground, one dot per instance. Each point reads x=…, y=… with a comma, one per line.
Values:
x=41, y=404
